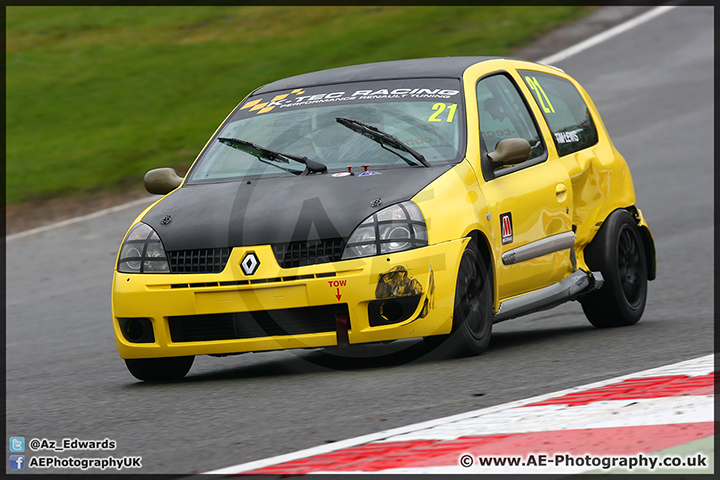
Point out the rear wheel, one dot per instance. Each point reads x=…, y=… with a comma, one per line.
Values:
x=167, y=369
x=617, y=252
x=472, y=315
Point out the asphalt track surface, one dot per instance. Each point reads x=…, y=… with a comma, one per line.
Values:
x=654, y=87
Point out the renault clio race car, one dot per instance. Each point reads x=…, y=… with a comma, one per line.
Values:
x=418, y=198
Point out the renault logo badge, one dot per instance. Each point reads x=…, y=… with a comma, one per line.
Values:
x=250, y=264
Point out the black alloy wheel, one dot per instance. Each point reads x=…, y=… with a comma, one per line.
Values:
x=617, y=252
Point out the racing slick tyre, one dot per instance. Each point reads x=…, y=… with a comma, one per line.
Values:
x=167, y=369
x=472, y=313
x=617, y=252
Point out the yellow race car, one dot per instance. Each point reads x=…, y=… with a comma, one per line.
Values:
x=417, y=198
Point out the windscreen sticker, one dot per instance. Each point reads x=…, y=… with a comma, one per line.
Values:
x=440, y=139
x=500, y=133
x=355, y=93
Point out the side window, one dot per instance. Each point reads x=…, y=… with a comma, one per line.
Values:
x=565, y=111
x=503, y=114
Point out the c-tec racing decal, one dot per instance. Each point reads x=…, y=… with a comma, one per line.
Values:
x=506, y=228
x=360, y=92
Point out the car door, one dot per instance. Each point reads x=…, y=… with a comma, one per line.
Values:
x=530, y=203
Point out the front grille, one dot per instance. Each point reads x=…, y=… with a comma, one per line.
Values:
x=203, y=260
x=299, y=254
x=267, y=323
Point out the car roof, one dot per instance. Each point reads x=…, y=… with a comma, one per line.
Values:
x=443, y=67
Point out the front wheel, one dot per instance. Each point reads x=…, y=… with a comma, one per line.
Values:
x=472, y=315
x=617, y=252
x=167, y=369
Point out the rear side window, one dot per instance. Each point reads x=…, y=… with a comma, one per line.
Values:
x=565, y=111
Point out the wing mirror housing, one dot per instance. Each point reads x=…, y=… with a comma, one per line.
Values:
x=510, y=151
x=161, y=181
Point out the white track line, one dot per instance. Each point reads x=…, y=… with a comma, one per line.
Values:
x=606, y=35
x=561, y=55
x=70, y=221
x=701, y=364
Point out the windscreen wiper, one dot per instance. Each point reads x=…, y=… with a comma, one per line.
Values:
x=263, y=153
x=383, y=138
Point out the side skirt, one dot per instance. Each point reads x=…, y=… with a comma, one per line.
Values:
x=570, y=288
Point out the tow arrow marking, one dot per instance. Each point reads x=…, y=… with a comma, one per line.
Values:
x=337, y=284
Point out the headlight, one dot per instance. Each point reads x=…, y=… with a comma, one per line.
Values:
x=143, y=252
x=392, y=229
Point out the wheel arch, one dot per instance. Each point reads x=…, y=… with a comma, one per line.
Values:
x=645, y=236
x=481, y=241
x=648, y=242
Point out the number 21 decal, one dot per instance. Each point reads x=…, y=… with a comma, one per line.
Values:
x=440, y=107
x=540, y=94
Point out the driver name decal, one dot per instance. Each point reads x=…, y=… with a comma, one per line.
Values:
x=566, y=137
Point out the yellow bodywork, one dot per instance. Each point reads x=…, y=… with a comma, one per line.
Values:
x=355, y=281
x=459, y=205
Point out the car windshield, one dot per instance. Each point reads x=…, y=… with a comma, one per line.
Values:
x=425, y=115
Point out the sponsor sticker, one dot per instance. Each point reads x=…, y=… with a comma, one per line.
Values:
x=366, y=174
x=341, y=174
x=506, y=228
x=399, y=90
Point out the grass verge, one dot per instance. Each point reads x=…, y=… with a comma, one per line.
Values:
x=96, y=96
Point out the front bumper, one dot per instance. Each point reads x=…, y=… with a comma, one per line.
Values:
x=388, y=297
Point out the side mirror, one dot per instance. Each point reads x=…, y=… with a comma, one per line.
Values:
x=509, y=152
x=162, y=181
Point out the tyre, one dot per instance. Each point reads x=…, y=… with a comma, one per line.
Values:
x=472, y=314
x=617, y=252
x=168, y=369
